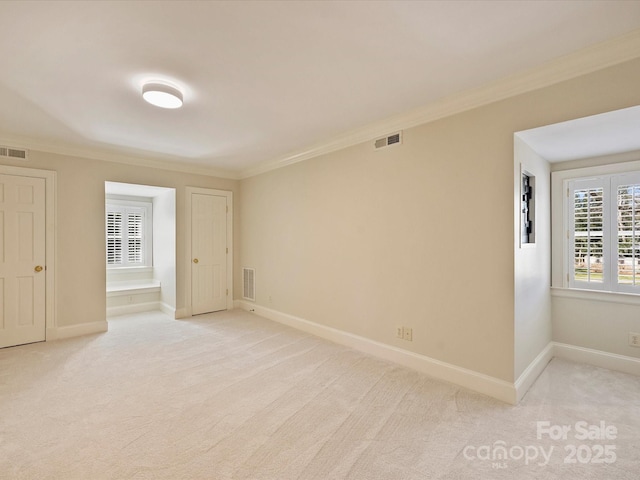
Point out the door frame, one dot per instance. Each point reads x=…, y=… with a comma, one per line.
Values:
x=219, y=193
x=50, y=179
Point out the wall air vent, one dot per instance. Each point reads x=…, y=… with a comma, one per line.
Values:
x=249, y=283
x=10, y=152
x=395, y=139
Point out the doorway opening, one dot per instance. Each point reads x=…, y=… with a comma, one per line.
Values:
x=140, y=248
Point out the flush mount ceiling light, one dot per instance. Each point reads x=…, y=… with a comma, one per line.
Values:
x=162, y=95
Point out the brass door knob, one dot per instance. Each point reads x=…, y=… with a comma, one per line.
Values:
x=38, y=268
x=195, y=260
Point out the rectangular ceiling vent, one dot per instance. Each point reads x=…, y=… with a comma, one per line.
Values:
x=395, y=139
x=249, y=284
x=10, y=152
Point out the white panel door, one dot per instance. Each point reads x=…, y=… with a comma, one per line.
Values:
x=22, y=260
x=209, y=253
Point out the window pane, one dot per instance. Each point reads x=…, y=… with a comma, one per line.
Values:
x=628, y=219
x=588, y=223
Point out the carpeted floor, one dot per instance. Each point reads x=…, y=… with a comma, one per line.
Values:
x=234, y=396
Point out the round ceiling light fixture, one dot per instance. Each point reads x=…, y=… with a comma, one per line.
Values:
x=162, y=95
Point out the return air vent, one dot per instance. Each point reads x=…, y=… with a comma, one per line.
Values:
x=395, y=139
x=249, y=283
x=9, y=152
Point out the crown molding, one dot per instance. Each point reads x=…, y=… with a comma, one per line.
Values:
x=106, y=155
x=582, y=62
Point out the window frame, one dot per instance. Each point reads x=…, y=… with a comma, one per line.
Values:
x=125, y=206
x=609, y=177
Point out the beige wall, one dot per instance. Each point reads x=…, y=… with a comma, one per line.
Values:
x=80, y=241
x=419, y=235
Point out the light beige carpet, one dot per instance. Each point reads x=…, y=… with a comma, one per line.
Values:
x=235, y=396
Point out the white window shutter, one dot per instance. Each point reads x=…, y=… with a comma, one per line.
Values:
x=129, y=231
x=588, y=223
x=114, y=238
x=627, y=231
x=135, y=229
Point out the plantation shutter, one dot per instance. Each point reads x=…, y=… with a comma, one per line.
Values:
x=626, y=231
x=128, y=236
x=604, y=233
x=114, y=238
x=135, y=229
x=587, y=233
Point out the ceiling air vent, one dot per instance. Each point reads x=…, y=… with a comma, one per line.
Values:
x=9, y=152
x=395, y=139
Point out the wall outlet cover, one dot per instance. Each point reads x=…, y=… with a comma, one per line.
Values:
x=408, y=334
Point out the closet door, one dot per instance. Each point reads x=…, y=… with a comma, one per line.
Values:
x=22, y=260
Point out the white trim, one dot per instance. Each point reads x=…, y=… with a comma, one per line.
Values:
x=133, y=308
x=582, y=62
x=598, y=358
x=186, y=311
x=622, y=298
x=156, y=160
x=81, y=329
x=125, y=208
x=168, y=310
x=463, y=377
x=533, y=371
x=132, y=289
x=560, y=210
x=607, y=176
x=126, y=270
x=50, y=178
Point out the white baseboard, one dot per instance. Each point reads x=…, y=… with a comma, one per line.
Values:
x=167, y=310
x=463, y=377
x=133, y=308
x=77, y=330
x=533, y=371
x=491, y=386
x=598, y=358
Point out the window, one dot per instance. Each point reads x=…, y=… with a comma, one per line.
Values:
x=128, y=234
x=604, y=232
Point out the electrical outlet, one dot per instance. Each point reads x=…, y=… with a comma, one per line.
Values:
x=408, y=334
x=399, y=332
x=634, y=339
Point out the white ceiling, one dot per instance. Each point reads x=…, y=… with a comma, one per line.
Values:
x=116, y=188
x=595, y=136
x=265, y=79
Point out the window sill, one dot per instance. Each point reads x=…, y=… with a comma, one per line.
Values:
x=132, y=288
x=130, y=269
x=596, y=295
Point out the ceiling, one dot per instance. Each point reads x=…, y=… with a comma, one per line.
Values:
x=264, y=80
x=595, y=136
x=133, y=190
